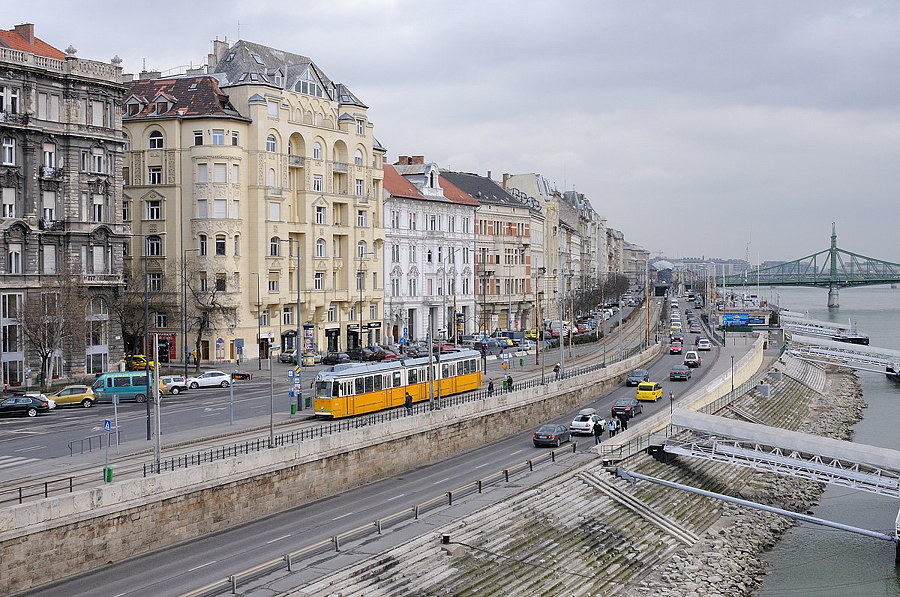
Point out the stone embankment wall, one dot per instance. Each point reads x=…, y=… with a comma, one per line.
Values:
x=589, y=533
x=112, y=522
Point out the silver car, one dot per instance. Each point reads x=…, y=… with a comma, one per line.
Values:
x=209, y=379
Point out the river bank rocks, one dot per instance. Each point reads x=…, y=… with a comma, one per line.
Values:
x=728, y=560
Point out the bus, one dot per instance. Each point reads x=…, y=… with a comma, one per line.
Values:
x=358, y=388
x=128, y=385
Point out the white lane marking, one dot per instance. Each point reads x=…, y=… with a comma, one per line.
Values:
x=441, y=481
x=30, y=449
x=516, y=452
x=278, y=539
x=343, y=516
x=200, y=566
x=481, y=465
x=8, y=461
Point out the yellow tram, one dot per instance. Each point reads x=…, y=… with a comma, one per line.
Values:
x=359, y=388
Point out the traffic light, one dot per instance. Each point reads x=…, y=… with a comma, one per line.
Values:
x=162, y=351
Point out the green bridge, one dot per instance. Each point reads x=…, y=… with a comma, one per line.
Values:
x=832, y=268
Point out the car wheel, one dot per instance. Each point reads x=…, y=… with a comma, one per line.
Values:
x=224, y=384
x=174, y=390
x=140, y=398
x=194, y=385
x=558, y=442
x=87, y=402
x=32, y=412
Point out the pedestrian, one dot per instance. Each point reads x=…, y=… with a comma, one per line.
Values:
x=490, y=387
x=408, y=402
x=612, y=426
x=556, y=371
x=623, y=420
x=598, y=431
x=509, y=382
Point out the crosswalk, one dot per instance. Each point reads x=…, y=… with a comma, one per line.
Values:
x=11, y=461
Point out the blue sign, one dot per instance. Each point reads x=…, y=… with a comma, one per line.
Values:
x=107, y=425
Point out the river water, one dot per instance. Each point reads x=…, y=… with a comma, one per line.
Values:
x=813, y=560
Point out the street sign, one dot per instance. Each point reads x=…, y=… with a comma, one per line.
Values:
x=107, y=425
x=290, y=373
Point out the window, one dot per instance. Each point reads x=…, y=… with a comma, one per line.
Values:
x=360, y=187
x=155, y=282
x=395, y=220
x=271, y=144
x=220, y=245
x=373, y=311
x=272, y=108
x=97, y=207
x=237, y=244
x=332, y=313
x=202, y=173
x=274, y=247
x=273, y=285
x=361, y=250
x=412, y=254
x=413, y=287
x=48, y=159
x=274, y=211
x=161, y=320
x=429, y=257
x=220, y=282
x=319, y=281
x=9, y=202
x=412, y=221
x=218, y=137
x=9, y=151
x=9, y=100
x=395, y=253
x=204, y=284
x=395, y=287
x=360, y=126
x=361, y=218
x=154, y=175
x=198, y=137
x=317, y=151
x=287, y=315
x=126, y=211
x=221, y=208
x=264, y=317
x=154, y=246
x=317, y=183
x=154, y=209
x=14, y=259
x=235, y=174
x=48, y=258
x=98, y=161
x=220, y=173
x=202, y=242
x=309, y=84
x=320, y=215
x=235, y=139
x=270, y=178
x=358, y=158
x=360, y=281
x=432, y=222
x=320, y=247
x=156, y=140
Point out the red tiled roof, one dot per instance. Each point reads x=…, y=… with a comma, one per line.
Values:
x=185, y=96
x=455, y=194
x=397, y=185
x=13, y=39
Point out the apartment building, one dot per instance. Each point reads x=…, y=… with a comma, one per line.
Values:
x=63, y=237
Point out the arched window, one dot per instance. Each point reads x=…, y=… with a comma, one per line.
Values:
x=317, y=151
x=320, y=247
x=203, y=244
x=127, y=142
x=274, y=247
x=156, y=140
x=270, y=177
x=220, y=245
x=154, y=246
x=358, y=158
x=361, y=249
x=237, y=244
x=271, y=144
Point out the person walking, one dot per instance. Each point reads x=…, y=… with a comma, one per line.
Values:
x=509, y=382
x=623, y=421
x=598, y=431
x=556, y=371
x=408, y=403
x=490, y=387
x=612, y=425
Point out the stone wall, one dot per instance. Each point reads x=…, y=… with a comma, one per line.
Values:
x=112, y=522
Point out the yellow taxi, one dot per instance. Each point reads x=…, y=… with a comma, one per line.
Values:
x=649, y=391
x=137, y=362
x=531, y=334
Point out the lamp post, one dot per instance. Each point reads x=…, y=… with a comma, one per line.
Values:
x=671, y=404
x=258, y=321
x=271, y=398
x=298, y=346
x=361, y=284
x=184, y=328
x=732, y=373
x=146, y=256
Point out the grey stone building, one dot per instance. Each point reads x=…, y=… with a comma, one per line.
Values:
x=61, y=231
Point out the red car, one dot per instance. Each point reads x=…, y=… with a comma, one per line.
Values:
x=675, y=348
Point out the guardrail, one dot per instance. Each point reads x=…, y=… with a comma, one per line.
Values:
x=376, y=527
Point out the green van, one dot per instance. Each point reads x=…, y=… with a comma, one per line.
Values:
x=129, y=385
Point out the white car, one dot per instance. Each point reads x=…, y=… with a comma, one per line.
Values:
x=210, y=379
x=704, y=344
x=585, y=421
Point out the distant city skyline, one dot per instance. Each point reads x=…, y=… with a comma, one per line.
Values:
x=699, y=129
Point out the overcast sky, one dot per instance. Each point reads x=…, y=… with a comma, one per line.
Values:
x=704, y=128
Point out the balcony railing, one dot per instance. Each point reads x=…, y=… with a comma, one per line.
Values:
x=13, y=118
x=103, y=279
x=296, y=161
x=342, y=167
x=49, y=172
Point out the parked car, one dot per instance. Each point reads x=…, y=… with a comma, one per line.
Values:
x=629, y=407
x=413, y=351
x=649, y=391
x=585, y=421
x=28, y=406
x=692, y=359
x=704, y=344
x=551, y=435
x=386, y=354
x=288, y=356
x=637, y=376
x=315, y=355
x=336, y=358
x=364, y=354
x=137, y=362
x=490, y=346
x=675, y=347
x=209, y=379
x=679, y=372
x=173, y=384
x=76, y=394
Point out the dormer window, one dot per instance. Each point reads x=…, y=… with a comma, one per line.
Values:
x=133, y=109
x=162, y=107
x=309, y=84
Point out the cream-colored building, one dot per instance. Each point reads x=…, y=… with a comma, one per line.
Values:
x=284, y=169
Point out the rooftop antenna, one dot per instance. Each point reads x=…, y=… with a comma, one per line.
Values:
x=239, y=29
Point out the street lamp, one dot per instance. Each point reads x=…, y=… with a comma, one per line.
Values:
x=361, y=254
x=258, y=321
x=184, y=328
x=271, y=397
x=732, y=373
x=146, y=256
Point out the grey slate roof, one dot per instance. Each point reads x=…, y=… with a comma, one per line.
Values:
x=487, y=191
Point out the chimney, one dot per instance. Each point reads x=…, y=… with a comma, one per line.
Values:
x=26, y=30
x=219, y=49
x=403, y=160
x=418, y=160
x=489, y=174
x=505, y=179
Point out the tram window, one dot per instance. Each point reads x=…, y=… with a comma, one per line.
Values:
x=445, y=371
x=369, y=383
x=413, y=376
x=377, y=379
x=347, y=388
x=336, y=392
x=397, y=382
x=360, y=385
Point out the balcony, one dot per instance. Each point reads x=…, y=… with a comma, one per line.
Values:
x=54, y=225
x=13, y=118
x=51, y=173
x=296, y=161
x=341, y=167
x=102, y=279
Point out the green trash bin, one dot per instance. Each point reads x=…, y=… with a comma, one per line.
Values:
x=107, y=474
x=293, y=408
x=521, y=362
x=308, y=401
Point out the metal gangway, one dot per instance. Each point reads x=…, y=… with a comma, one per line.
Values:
x=823, y=459
x=812, y=327
x=857, y=356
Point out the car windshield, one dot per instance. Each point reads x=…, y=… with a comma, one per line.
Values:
x=547, y=429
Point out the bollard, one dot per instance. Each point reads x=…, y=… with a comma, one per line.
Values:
x=107, y=474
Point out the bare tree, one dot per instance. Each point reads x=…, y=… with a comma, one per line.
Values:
x=56, y=319
x=127, y=306
x=209, y=306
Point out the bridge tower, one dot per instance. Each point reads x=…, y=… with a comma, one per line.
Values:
x=833, y=298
